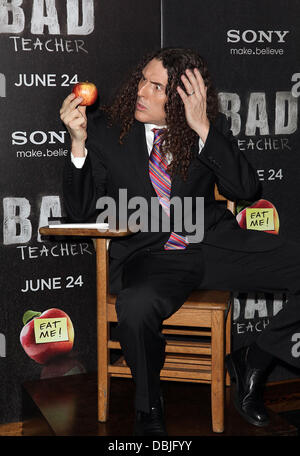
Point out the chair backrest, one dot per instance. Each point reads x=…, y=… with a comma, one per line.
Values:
x=231, y=205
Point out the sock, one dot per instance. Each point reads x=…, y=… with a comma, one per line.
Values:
x=259, y=358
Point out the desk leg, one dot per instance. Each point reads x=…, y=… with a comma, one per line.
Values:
x=102, y=329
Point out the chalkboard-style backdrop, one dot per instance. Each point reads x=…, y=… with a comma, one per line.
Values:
x=252, y=51
x=46, y=46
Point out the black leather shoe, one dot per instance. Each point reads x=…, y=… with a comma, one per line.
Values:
x=248, y=398
x=151, y=423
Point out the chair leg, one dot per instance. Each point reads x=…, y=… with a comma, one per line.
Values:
x=217, y=371
x=228, y=341
x=103, y=395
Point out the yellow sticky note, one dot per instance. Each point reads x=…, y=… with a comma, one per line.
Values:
x=50, y=330
x=260, y=219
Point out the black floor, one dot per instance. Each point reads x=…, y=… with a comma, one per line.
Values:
x=68, y=406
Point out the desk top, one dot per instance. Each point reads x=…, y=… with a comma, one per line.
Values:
x=92, y=232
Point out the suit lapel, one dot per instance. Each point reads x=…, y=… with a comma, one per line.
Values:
x=139, y=157
x=178, y=187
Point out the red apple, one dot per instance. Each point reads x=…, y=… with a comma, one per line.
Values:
x=86, y=90
x=262, y=203
x=43, y=352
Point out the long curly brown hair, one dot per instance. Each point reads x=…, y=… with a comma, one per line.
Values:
x=179, y=138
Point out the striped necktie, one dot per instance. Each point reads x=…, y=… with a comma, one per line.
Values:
x=161, y=182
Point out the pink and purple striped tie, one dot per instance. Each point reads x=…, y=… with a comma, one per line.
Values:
x=161, y=182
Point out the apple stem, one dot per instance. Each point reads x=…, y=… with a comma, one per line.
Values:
x=29, y=315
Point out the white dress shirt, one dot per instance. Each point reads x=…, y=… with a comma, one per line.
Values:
x=79, y=161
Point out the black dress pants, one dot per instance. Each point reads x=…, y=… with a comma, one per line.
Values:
x=157, y=283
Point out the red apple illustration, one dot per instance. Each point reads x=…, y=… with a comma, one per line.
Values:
x=86, y=90
x=43, y=352
x=262, y=204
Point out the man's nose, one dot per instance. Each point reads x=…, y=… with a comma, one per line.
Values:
x=142, y=89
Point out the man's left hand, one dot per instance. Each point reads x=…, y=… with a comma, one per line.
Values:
x=194, y=100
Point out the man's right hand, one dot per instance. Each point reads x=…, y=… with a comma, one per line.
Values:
x=75, y=120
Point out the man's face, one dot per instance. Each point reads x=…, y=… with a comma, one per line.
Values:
x=151, y=95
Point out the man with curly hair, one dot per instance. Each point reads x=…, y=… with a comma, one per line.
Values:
x=163, y=137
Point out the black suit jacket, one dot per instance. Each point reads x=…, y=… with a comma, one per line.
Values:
x=110, y=166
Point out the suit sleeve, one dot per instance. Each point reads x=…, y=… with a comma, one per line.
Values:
x=83, y=186
x=235, y=176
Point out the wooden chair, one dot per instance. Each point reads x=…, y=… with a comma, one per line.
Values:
x=201, y=328
x=206, y=315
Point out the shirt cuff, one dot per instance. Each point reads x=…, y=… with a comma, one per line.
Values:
x=201, y=145
x=78, y=162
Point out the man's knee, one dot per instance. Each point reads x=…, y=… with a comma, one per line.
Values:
x=138, y=307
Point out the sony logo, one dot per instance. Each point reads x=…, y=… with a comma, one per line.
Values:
x=258, y=36
x=38, y=137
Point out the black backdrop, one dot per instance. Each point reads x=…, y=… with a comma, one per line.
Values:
x=39, y=65
x=254, y=64
x=252, y=51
